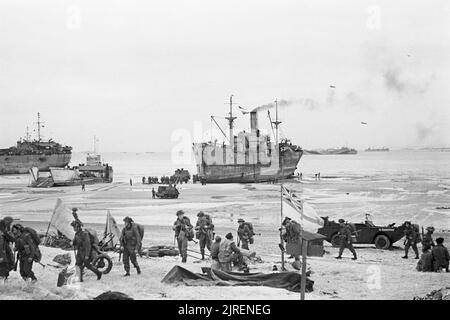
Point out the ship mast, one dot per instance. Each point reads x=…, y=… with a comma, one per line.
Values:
x=230, y=120
x=276, y=122
x=39, y=125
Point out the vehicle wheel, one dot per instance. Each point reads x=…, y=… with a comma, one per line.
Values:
x=335, y=241
x=103, y=263
x=382, y=242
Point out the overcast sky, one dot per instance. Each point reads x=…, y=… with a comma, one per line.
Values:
x=140, y=74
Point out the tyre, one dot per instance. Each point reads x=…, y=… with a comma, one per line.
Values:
x=382, y=242
x=335, y=241
x=103, y=263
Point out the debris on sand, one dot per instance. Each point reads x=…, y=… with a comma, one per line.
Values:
x=113, y=295
x=159, y=251
x=441, y=294
x=63, y=259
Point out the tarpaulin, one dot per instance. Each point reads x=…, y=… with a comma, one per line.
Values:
x=284, y=280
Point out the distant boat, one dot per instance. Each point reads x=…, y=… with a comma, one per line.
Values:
x=332, y=151
x=377, y=149
x=37, y=153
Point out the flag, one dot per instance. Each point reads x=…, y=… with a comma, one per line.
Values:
x=61, y=219
x=112, y=230
x=300, y=211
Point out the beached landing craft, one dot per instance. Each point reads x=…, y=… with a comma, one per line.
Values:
x=38, y=153
x=94, y=171
x=249, y=156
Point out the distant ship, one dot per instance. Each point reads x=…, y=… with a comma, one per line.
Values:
x=377, y=149
x=37, y=153
x=249, y=156
x=342, y=150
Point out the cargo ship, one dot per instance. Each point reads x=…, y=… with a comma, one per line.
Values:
x=377, y=149
x=248, y=156
x=37, y=153
x=332, y=151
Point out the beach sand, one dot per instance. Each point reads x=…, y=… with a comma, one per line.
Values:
x=377, y=274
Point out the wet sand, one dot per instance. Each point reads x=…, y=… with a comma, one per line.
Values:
x=377, y=274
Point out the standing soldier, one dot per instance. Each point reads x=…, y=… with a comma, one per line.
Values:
x=183, y=233
x=203, y=230
x=215, y=247
x=6, y=254
x=130, y=241
x=345, y=236
x=245, y=233
x=83, y=246
x=153, y=193
x=291, y=234
x=26, y=250
x=412, y=237
x=427, y=242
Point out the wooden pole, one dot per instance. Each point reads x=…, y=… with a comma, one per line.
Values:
x=281, y=226
x=50, y=222
x=303, y=279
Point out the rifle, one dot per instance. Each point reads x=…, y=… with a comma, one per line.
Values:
x=239, y=240
x=16, y=258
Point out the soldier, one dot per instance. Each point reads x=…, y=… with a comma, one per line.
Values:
x=425, y=264
x=130, y=240
x=440, y=256
x=215, y=264
x=228, y=253
x=292, y=231
x=153, y=193
x=7, y=237
x=427, y=242
x=143, y=180
x=203, y=229
x=345, y=236
x=412, y=237
x=26, y=250
x=245, y=234
x=6, y=260
x=183, y=228
x=84, y=253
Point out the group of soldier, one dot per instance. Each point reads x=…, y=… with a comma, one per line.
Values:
x=23, y=242
x=223, y=252
x=435, y=256
x=26, y=248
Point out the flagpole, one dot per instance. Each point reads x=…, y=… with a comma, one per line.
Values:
x=281, y=227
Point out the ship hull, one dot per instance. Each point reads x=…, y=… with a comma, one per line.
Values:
x=20, y=164
x=250, y=173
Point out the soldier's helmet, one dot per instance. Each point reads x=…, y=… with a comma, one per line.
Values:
x=430, y=229
x=127, y=219
x=229, y=236
x=241, y=220
x=8, y=220
x=74, y=209
x=180, y=212
x=341, y=221
x=200, y=214
x=76, y=223
x=440, y=240
x=18, y=227
x=285, y=221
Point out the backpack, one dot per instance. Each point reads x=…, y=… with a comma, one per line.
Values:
x=250, y=227
x=140, y=229
x=34, y=235
x=92, y=237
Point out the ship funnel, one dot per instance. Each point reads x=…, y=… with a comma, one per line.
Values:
x=253, y=121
